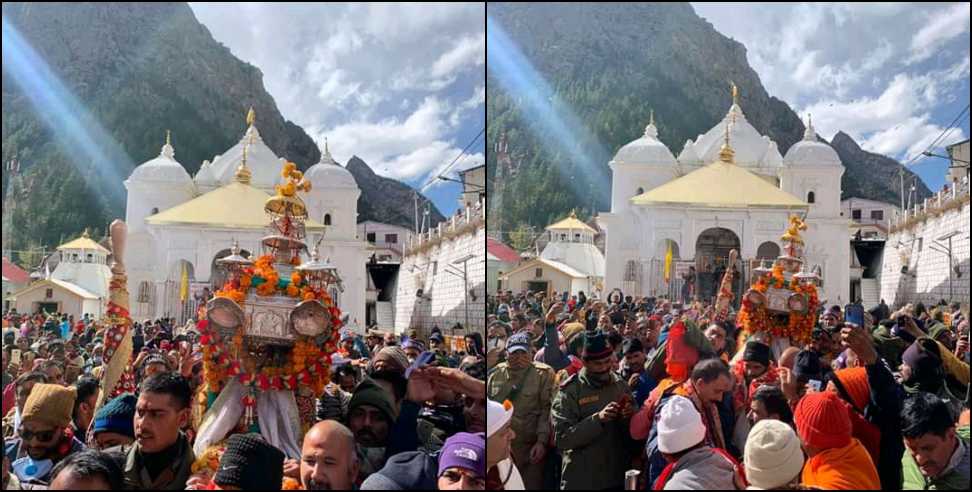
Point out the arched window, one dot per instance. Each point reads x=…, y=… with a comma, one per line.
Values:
x=327, y=219
x=811, y=197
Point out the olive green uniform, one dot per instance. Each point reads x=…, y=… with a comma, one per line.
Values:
x=595, y=454
x=530, y=392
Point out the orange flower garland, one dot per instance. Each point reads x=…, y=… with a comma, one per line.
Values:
x=797, y=326
x=308, y=364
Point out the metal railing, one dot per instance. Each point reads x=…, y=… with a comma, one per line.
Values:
x=460, y=221
x=952, y=196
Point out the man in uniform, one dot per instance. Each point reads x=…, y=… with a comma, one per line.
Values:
x=529, y=387
x=591, y=413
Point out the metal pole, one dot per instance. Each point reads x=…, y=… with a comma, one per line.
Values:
x=950, y=270
x=465, y=289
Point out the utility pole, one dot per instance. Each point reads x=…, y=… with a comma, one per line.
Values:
x=901, y=175
x=415, y=197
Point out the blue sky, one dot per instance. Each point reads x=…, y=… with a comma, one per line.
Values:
x=400, y=85
x=891, y=75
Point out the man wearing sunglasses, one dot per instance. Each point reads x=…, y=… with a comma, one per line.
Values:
x=45, y=436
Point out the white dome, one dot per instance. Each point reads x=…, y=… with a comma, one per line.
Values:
x=329, y=174
x=751, y=149
x=645, y=150
x=163, y=168
x=264, y=165
x=811, y=152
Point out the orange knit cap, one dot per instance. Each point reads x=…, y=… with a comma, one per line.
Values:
x=854, y=380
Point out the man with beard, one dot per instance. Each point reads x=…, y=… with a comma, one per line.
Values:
x=754, y=370
x=633, y=370
x=161, y=458
x=328, y=458
x=371, y=415
x=529, y=386
x=590, y=416
x=45, y=434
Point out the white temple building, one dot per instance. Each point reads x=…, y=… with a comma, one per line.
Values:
x=78, y=284
x=569, y=262
x=728, y=189
x=178, y=225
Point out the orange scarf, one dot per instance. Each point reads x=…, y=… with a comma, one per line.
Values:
x=846, y=468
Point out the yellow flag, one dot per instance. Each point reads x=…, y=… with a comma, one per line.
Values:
x=184, y=286
x=668, y=264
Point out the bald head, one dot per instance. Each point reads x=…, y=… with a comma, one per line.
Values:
x=328, y=458
x=788, y=357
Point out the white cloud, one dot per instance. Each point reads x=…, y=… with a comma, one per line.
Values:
x=940, y=26
x=895, y=123
x=412, y=149
x=908, y=138
x=468, y=51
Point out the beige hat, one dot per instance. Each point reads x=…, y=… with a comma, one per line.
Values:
x=51, y=404
x=773, y=456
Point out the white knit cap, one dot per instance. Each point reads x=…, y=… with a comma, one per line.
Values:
x=496, y=417
x=680, y=426
x=773, y=456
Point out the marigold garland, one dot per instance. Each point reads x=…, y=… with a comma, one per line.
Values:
x=308, y=364
x=796, y=326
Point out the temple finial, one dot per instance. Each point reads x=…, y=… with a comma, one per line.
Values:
x=735, y=93
x=726, y=153
x=168, y=137
x=243, y=173
x=250, y=117
x=651, y=118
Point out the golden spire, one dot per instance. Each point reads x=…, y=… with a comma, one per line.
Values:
x=168, y=137
x=735, y=92
x=250, y=117
x=243, y=174
x=85, y=233
x=726, y=153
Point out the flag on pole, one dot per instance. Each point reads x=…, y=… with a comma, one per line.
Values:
x=184, y=285
x=668, y=264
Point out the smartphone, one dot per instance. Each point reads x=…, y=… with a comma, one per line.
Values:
x=854, y=313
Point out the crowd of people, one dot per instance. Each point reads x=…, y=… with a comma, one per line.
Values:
x=400, y=413
x=651, y=393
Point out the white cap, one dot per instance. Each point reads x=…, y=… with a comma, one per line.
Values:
x=496, y=417
x=773, y=456
x=680, y=426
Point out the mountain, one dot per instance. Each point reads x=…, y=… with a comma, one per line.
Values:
x=387, y=198
x=874, y=176
x=608, y=65
x=121, y=74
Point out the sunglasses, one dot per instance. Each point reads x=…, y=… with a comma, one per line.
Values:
x=44, y=436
